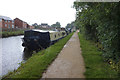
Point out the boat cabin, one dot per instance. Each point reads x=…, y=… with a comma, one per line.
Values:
x=34, y=39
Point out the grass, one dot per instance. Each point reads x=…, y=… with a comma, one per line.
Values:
x=38, y=63
x=95, y=66
x=11, y=33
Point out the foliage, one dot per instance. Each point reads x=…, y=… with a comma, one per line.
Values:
x=94, y=63
x=70, y=25
x=36, y=25
x=56, y=25
x=11, y=33
x=100, y=22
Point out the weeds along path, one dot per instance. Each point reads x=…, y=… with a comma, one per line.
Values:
x=69, y=63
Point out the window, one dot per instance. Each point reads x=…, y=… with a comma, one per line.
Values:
x=12, y=21
x=15, y=26
x=8, y=25
x=12, y=26
x=5, y=25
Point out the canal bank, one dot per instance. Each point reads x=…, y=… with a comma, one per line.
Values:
x=5, y=34
x=38, y=63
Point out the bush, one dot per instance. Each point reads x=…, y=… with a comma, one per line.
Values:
x=100, y=22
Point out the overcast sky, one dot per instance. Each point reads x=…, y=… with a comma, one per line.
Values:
x=39, y=11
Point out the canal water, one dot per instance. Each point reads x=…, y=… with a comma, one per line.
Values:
x=12, y=54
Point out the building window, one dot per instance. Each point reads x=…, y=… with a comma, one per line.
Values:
x=12, y=26
x=16, y=27
x=9, y=26
x=12, y=21
x=5, y=25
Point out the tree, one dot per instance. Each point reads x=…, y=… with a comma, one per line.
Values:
x=70, y=25
x=56, y=25
x=36, y=25
x=100, y=22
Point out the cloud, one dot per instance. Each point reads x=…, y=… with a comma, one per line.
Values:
x=39, y=11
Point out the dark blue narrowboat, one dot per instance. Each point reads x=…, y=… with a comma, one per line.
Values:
x=39, y=39
x=36, y=39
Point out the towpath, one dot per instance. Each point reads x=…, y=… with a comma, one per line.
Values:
x=69, y=63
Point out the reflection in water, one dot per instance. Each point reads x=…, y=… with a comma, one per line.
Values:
x=27, y=54
x=12, y=52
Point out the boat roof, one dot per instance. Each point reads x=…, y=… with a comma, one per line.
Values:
x=38, y=30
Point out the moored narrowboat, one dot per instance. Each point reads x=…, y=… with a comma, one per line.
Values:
x=39, y=39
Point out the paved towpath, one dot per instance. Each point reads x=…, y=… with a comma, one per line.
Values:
x=69, y=63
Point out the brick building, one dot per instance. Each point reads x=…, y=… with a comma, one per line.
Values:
x=32, y=27
x=44, y=25
x=25, y=25
x=18, y=23
x=6, y=22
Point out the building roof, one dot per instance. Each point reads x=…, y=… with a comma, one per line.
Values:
x=5, y=18
x=18, y=19
x=44, y=24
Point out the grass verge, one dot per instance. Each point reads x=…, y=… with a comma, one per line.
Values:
x=11, y=33
x=38, y=63
x=95, y=66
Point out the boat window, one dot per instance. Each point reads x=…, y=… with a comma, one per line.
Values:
x=58, y=34
x=55, y=36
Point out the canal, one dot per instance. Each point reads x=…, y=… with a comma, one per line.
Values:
x=12, y=54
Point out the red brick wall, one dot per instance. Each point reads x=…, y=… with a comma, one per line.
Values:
x=18, y=23
x=0, y=24
x=6, y=23
x=24, y=25
x=28, y=26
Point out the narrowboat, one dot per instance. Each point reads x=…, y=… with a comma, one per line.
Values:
x=40, y=39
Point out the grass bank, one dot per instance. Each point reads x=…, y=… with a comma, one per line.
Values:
x=38, y=63
x=11, y=33
x=95, y=66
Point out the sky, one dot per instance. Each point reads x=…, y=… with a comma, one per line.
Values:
x=39, y=11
